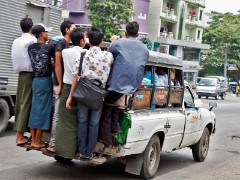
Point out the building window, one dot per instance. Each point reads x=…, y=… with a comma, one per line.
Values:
x=200, y=15
x=198, y=34
x=190, y=77
x=190, y=54
x=173, y=50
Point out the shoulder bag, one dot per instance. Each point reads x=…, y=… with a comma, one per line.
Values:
x=89, y=92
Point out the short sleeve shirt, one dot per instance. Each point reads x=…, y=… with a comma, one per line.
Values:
x=163, y=79
x=96, y=64
x=41, y=59
x=62, y=44
x=69, y=56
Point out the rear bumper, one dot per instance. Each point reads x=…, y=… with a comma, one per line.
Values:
x=209, y=94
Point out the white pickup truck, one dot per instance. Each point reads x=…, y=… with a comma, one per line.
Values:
x=163, y=118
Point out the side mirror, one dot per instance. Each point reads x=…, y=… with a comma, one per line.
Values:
x=212, y=105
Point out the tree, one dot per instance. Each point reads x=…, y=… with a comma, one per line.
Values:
x=223, y=35
x=109, y=15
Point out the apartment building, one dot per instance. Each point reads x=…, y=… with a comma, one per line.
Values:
x=78, y=13
x=175, y=27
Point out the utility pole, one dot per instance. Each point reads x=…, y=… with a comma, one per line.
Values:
x=225, y=60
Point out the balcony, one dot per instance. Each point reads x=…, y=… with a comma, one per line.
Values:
x=196, y=3
x=76, y=12
x=191, y=21
x=169, y=16
x=184, y=43
x=169, y=35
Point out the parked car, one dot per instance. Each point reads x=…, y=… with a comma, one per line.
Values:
x=160, y=118
x=212, y=86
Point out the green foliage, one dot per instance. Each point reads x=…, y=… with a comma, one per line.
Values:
x=109, y=15
x=223, y=35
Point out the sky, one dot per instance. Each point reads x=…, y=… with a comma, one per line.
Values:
x=222, y=6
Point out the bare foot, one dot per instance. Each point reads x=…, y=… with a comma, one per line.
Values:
x=51, y=149
x=20, y=140
x=32, y=144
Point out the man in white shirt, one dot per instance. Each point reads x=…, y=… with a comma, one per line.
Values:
x=22, y=66
x=67, y=127
x=96, y=65
x=162, y=76
x=70, y=55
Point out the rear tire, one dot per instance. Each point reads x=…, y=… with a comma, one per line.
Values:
x=200, y=150
x=199, y=97
x=4, y=115
x=62, y=160
x=151, y=158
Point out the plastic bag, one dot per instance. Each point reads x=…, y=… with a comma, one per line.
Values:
x=125, y=124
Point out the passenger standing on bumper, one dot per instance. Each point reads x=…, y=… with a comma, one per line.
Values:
x=66, y=28
x=96, y=65
x=22, y=66
x=130, y=58
x=67, y=127
x=41, y=55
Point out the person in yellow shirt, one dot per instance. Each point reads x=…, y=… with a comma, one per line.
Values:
x=237, y=89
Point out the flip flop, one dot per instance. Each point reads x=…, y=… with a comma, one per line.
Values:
x=22, y=143
x=25, y=142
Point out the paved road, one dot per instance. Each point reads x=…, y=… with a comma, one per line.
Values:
x=223, y=161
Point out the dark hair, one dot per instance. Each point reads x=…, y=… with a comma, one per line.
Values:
x=132, y=28
x=65, y=24
x=76, y=35
x=95, y=36
x=37, y=30
x=26, y=24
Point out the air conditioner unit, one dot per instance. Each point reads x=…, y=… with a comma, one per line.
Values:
x=164, y=49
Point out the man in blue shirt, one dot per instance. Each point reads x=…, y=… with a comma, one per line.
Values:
x=130, y=58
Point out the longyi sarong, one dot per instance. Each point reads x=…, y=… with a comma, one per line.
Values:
x=23, y=101
x=42, y=91
x=67, y=127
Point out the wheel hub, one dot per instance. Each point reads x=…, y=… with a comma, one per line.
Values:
x=152, y=156
x=205, y=145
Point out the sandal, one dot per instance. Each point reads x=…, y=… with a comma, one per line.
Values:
x=43, y=145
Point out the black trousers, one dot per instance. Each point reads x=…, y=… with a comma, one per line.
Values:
x=109, y=120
